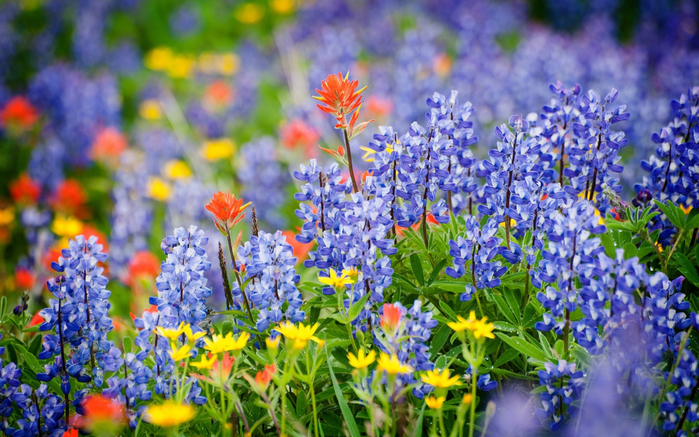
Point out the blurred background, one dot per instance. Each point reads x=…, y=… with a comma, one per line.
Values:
x=120, y=118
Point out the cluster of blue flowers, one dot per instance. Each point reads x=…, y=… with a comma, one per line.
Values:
x=182, y=295
x=351, y=233
x=673, y=174
x=409, y=343
x=271, y=279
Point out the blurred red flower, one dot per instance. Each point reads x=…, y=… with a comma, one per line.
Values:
x=36, y=320
x=143, y=265
x=298, y=134
x=379, y=107
x=218, y=93
x=71, y=433
x=300, y=249
x=24, y=190
x=227, y=210
x=18, y=113
x=69, y=198
x=108, y=145
x=24, y=279
x=101, y=413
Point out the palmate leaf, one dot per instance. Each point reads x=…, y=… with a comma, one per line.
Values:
x=687, y=268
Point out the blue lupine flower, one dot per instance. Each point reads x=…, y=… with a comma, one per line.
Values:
x=83, y=319
x=563, y=385
x=270, y=269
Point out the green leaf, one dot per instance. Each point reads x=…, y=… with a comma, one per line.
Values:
x=630, y=250
x=357, y=307
x=30, y=359
x=437, y=270
x=523, y=346
x=687, y=269
x=416, y=264
x=692, y=220
x=346, y=412
x=673, y=213
x=504, y=309
x=418, y=424
x=504, y=326
x=439, y=339
x=608, y=243
x=3, y=306
x=128, y=344
x=446, y=309
x=506, y=357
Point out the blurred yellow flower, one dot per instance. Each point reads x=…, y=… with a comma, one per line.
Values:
x=182, y=353
x=7, y=215
x=177, y=169
x=467, y=398
x=158, y=189
x=65, y=226
x=159, y=59
x=207, y=63
x=282, y=6
x=435, y=403
x=219, y=343
x=439, y=379
x=299, y=335
x=361, y=361
x=392, y=365
x=250, y=13
x=228, y=64
x=272, y=343
x=204, y=362
x=150, y=110
x=215, y=150
x=169, y=414
x=181, y=67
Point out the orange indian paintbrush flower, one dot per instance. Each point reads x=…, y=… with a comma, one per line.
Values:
x=390, y=317
x=339, y=96
x=227, y=210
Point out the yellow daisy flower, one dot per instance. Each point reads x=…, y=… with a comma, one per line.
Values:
x=177, y=169
x=435, y=403
x=204, y=362
x=215, y=150
x=391, y=365
x=361, y=361
x=68, y=227
x=299, y=335
x=158, y=189
x=182, y=353
x=336, y=281
x=439, y=379
x=150, y=110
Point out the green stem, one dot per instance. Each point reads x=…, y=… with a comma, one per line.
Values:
x=311, y=377
x=474, y=380
x=441, y=423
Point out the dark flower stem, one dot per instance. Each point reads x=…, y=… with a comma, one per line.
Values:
x=237, y=275
x=64, y=372
x=224, y=277
x=507, y=194
x=349, y=160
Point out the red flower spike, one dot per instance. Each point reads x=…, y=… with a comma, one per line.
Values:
x=101, y=413
x=71, y=433
x=227, y=211
x=339, y=96
x=25, y=190
x=264, y=377
x=391, y=317
x=297, y=134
